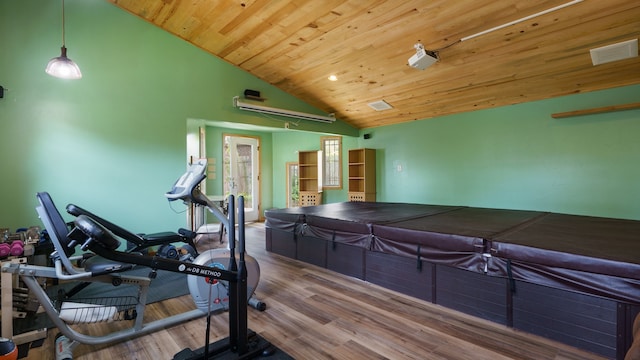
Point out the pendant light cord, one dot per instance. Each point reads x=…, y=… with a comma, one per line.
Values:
x=63, y=44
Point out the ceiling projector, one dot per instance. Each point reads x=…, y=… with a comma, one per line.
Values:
x=423, y=58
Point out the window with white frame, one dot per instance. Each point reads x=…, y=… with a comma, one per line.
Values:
x=332, y=161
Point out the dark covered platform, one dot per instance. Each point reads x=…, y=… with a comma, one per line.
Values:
x=574, y=279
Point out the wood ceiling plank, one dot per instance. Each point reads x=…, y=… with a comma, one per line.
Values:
x=256, y=44
x=296, y=44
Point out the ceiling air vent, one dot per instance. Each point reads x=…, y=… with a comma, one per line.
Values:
x=614, y=52
x=380, y=105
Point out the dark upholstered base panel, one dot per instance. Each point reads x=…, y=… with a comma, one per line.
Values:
x=346, y=259
x=312, y=250
x=281, y=242
x=579, y=320
x=627, y=314
x=401, y=274
x=472, y=293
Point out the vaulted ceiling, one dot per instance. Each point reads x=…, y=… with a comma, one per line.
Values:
x=296, y=44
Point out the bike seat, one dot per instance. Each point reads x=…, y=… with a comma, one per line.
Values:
x=98, y=265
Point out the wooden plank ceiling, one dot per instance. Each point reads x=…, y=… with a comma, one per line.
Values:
x=297, y=44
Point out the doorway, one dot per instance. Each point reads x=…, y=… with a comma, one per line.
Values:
x=293, y=188
x=241, y=172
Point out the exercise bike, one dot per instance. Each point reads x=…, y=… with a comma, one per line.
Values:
x=241, y=343
x=103, y=269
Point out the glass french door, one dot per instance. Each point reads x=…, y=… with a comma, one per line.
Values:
x=241, y=172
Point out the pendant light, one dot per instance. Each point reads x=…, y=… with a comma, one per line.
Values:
x=61, y=66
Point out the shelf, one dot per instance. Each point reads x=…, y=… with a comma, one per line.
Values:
x=309, y=181
x=596, y=110
x=362, y=175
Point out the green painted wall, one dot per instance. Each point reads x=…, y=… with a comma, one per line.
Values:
x=114, y=141
x=285, y=149
x=518, y=157
x=514, y=157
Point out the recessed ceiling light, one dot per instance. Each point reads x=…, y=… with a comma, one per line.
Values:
x=333, y=78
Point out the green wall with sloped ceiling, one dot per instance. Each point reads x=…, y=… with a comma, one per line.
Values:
x=512, y=157
x=518, y=157
x=114, y=141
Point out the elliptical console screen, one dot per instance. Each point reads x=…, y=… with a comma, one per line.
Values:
x=189, y=180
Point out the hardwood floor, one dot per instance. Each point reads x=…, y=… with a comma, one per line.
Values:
x=314, y=313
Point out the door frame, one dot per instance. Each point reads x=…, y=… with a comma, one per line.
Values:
x=289, y=189
x=257, y=168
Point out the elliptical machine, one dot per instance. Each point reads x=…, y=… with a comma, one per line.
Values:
x=220, y=272
x=187, y=189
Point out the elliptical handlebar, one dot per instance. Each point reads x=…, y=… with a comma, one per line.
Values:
x=187, y=190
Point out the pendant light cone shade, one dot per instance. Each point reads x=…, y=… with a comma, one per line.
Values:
x=61, y=66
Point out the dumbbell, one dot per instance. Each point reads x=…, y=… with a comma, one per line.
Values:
x=17, y=248
x=5, y=250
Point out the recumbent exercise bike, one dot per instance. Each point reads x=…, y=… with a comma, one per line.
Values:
x=109, y=265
